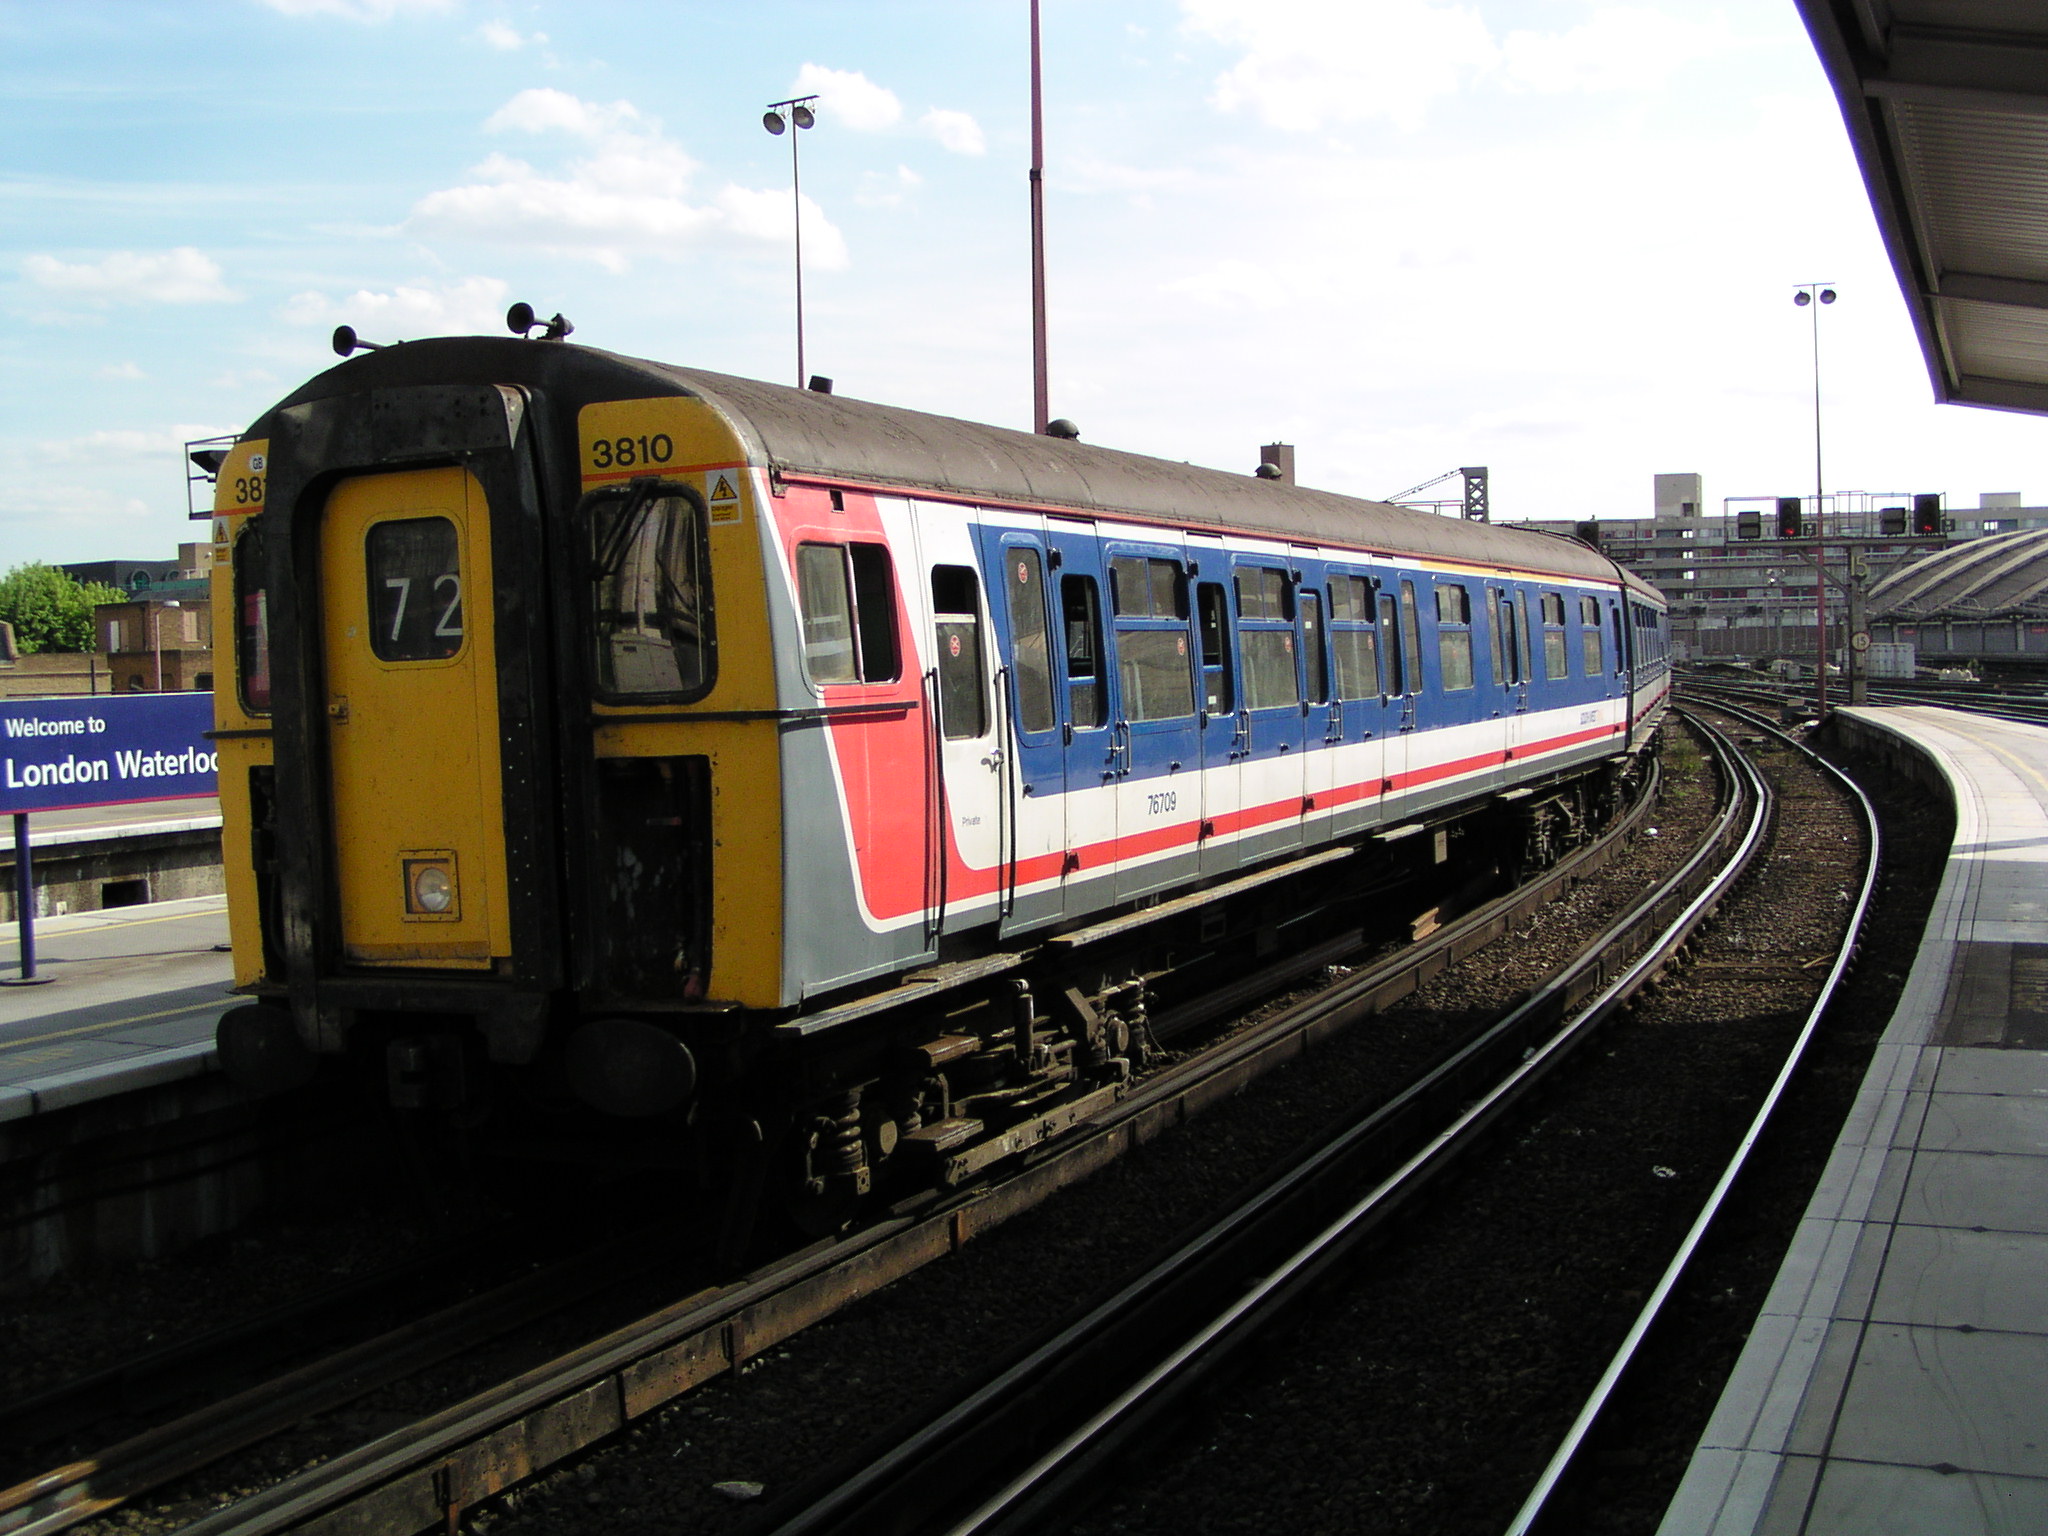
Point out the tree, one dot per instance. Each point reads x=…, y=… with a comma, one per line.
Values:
x=51, y=611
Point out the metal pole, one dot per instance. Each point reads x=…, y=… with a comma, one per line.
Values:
x=1820, y=539
x=1041, y=396
x=797, y=193
x=25, y=895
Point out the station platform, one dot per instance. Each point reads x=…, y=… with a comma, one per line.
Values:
x=131, y=1001
x=1896, y=1381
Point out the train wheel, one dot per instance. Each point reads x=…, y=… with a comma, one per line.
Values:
x=830, y=1169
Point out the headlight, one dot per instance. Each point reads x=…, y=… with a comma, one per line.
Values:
x=431, y=889
x=430, y=884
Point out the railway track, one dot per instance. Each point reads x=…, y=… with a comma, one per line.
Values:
x=428, y=1473
x=1024, y=1447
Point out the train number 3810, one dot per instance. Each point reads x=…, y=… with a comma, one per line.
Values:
x=627, y=452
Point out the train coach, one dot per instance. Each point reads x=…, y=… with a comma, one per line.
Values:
x=805, y=787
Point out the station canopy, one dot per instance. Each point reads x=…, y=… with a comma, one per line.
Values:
x=2002, y=576
x=1947, y=106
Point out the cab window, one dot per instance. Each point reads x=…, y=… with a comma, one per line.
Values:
x=652, y=592
x=252, y=620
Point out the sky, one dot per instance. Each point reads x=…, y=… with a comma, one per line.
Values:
x=1556, y=237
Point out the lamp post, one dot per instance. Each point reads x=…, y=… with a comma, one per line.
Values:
x=800, y=116
x=156, y=636
x=1804, y=296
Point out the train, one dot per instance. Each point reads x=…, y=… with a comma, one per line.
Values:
x=804, y=789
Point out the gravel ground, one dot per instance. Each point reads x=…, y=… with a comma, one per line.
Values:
x=1388, y=1411
x=820, y=1398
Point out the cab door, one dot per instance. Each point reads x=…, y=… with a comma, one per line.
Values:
x=412, y=721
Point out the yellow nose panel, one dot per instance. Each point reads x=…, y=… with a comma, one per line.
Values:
x=412, y=717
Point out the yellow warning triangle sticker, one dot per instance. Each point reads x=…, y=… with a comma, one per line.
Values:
x=723, y=491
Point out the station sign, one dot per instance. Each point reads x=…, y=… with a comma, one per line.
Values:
x=65, y=754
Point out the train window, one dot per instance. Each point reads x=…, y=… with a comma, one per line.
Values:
x=1313, y=658
x=1411, y=640
x=1264, y=605
x=1397, y=663
x=1263, y=593
x=415, y=596
x=1081, y=619
x=1454, y=636
x=1147, y=588
x=1556, y=663
x=252, y=620
x=1212, y=609
x=1358, y=662
x=1500, y=676
x=1350, y=600
x=874, y=612
x=825, y=594
x=956, y=620
x=1589, y=638
x=1152, y=669
x=652, y=591
x=848, y=602
x=1024, y=575
x=1620, y=653
x=1589, y=609
x=1522, y=632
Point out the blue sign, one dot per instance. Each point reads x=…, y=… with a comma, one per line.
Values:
x=62, y=754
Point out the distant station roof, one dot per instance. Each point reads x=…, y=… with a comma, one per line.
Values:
x=1947, y=106
x=2003, y=576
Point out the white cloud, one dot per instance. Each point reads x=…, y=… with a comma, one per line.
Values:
x=541, y=109
x=120, y=371
x=956, y=131
x=467, y=307
x=1310, y=62
x=849, y=98
x=359, y=10
x=181, y=276
x=500, y=35
x=631, y=192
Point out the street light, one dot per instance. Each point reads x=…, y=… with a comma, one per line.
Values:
x=156, y=636
x=801, y=116
x=1804, y=296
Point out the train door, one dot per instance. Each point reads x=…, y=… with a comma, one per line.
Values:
x=1083, y=685
x=1271, y=706
x=1035, y=779
x=412, y=721
x=1217, y=702
x=1322, y=720
x=1365, y=717
x=971, y=766
x=1404, y=683
x=1158, y=751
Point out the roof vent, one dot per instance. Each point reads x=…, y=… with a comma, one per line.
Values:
x=1060, y=427
x=820, y=385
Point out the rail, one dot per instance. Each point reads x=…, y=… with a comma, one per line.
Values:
x=426, y=1473
x=1535, y=1514
x=1050, y=1422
